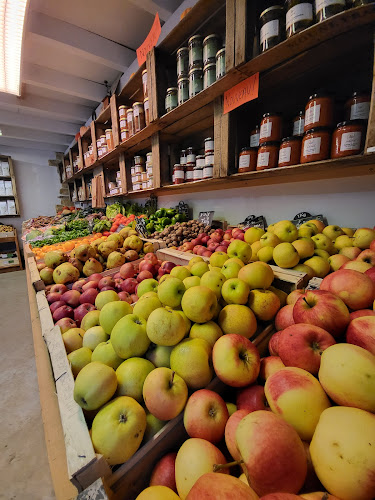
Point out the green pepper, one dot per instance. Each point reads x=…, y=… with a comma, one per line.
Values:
x=180, y=217
x=160, y=213
x=173, y=220
x=153, y=217
x=170, y=212
x=165, y=221
x=159, y=228
x=150, y=227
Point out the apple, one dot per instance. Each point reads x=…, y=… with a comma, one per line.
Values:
x=91, y=319
x=285, y=255
x=165, y=393
x=284, y=317
x=94, y=336
x=78, y=359
x=104, y=353
x=128, y=285
x=363, y=237
x=88, y=296
x=269, y=240
x=295, y=295
x=273, y=344
x=230, y=431
x=191, y=359
x=252, y=398
x=118, y=283
x=128, y=335
x=231, y=408
x=281, y=496
x=286, y=231
x=361, y=332
x=90, y=284
x=323, y=309
x=63, y=312
x=145, y=265
x=95, y=277
x=268, y=366
x=206, y=415
x=253, y=234
x=212, y=486
x=297, y=397
x=319, y=265
x=81, y=311
x=343, y=241
x=322, y=242
x=307, y=229
x=66, y=324
x=241, y=250
x=165, y=327
x=265, y=254
x=236, y=360
x=106, y=281
x=209, y=331
x=360, y=313
x=264, y=304
x=127, y=270
x=73, y=339
x=354, y=288
x=199, y=303
x=95, y=384
x=144, y=275
x=333, y=232
x=105, y=288
x=237, y=318
x=131, y=375
x=54, y=297
x=167, y=265
x=357, y=265
x=322, y=253
x=257, y=275
x=302, y=268
x=350, y=252
x=163, y=473
x=78, y=285
x=147, y=285
x=371, y=274
x=171, y=291
x=56, y=305
x=159, y=355
x=191, y=281
x=336, y=261
x=305, y=247
x=214, y=281
x=302, y=345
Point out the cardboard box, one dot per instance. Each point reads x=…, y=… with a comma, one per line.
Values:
x=3, y=208
x=5, y=169
x=8, y=188
x=2, y=188
x=11, y=207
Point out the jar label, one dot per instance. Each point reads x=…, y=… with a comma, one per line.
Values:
x=197, y=175
x=208, y=146
x=351, y=141
x=201, y=162
x=265, y=130
x=244, y=161
x=183, y=160
x=189, y=174
x=312, y=146
x=209, y=160
x=190, y=159
x=312, y=114
x=320, y=4
x=129, y=117
x=263, y=159
x=135, y=112
x=122, y=112
x=146, y=105
x=300, y=12
x=269, y=30
x=208, y=171
x=144, y=79
x=254, y=140
x=360, y=111
x=284, y=155
x=298, y=126
x=179, y=174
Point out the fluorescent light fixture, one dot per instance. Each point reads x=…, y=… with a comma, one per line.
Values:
x=12, y=18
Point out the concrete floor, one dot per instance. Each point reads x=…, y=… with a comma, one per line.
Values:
x=24, y=469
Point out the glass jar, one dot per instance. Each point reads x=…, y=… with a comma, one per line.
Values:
x=195, y=51
x=189, y=172
x=182, y=62
x=182, y=89
x=198, y=173
x=171, y=99
x=272, y=27
x=178, y=174
x=190, y=155
x=146, y=107
x=290, y=151
x=270, y=128
x=358, y=106
x=103, y=140
x=220, y=63
x=149, y=157
x=109, y=138
x=150, y=182
x=299, y=16
x=139, y=117
x=124, y=133
x=209, y=74
x=122, y=111
x=328, y=8
x=139, y=160
x=268, y=153
x=209, y=158
x=209, y=145
x=254, y=137
x=208, y=171
x=348, y=138
x=183, y=157
x=195, y=81
x=200, y=161
x=144, y=83
x=123, y=122
x=104, y=149
x=247, y=160
x=99, y=147
x=319, y=111
x=358, y=3
x=299, y=123
x=316, y=144
x=130, y=121
x=211, y=45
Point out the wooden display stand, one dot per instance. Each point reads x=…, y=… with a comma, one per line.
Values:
x=11, y=264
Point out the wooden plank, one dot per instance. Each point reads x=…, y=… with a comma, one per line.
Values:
x=80, y=154
x=114, y=120
x=124, y=181
x=153, y=84
x=370, y=137
x=230, y=35
x=287, y=279
x=159, y=161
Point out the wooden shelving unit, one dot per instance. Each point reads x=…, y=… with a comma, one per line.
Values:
x=11, y=263
x=12, y=179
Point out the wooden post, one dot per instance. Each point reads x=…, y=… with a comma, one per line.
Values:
x=80, y=154
x=224, y=145
x=230, y=35
x=115, y=121
x=370, y=137
x=157, y=160
x=124, y=182
x=244, y=31
x=93, y=140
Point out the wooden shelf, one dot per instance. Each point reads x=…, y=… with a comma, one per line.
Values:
x=7, y=239
x=7, y=196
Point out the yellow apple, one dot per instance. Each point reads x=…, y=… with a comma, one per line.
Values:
x=170, y=292
x=165, y=327
x=199, y=268
x=199, y=303
x=286, y=231
x=363, y=237
x=78, y=359
x=232, y=267
x=348, y=231
x=113, y=312
x=333, y=232
x=322, y=253
x=305, y=247
x=180, y=272
x=269, y=240
x=131, y=375
x=90, y=319
x=357, y=265
x=257, y=275
x=191, y=281
x=209, y=331
x=264, y=304
x=241, y=250
x=265, y=254
x=285, y=255
x=319, y=265
x=322, y=242
x=253, y=234
x=214, y=281
x=343, y=241
x=94, y=336
x=194, y=260
x=104, y=353
x=157, y=493
x=191, y=360
x=146, y=304
x=307, y=230
x=319, y=224
x=337, y=260
x=73, y=339
x=236, y=318
x=235, y=291
x=95, y=384
x=218, y=259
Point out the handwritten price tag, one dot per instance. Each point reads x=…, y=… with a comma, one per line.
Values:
x=150, y=42
x=243, y=92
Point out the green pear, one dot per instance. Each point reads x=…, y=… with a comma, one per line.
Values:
x=84, y=252
x=95, y=384
x=131, y=375
x=106, y=248
x=112, y=312
x=46, y=274
x=115, y=259
x=92, y=266
x=104, y=353
x=117, y=237
x=65, y=273
x=54, y=259
x=78, y=359
x=129, y=337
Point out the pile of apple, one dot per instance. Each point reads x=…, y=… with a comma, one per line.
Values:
x=205, y=244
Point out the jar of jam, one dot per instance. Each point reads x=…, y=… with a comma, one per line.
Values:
x=209, y=74
x=198, y=173
x=319, y=111
x=146, y=107
x=348, y=138
x=99, y=147
x=209, y=158
x=290, y=151
x=358, y=3
x=195, y=81
x=178, y=174
x=104, y=149
x=247, y=160
x=122, y=111
x=123, y=122
x=316, y=144
x=328, y=8
x=182, y=62
x=220, y=63
x=200, y=161
x=254, y=137
x=209, y=145
x=299, y=16
x=272, y=27
x=130, y=121
x=144, y=83
x=211, y=45
x=103, y=140
x=270, y=128
x=182, y=89
x=109, y=138
x=190, y=155
x=268, y=153
x=299, y=123
x=149, y=157
x=124, y=133
x=138, y=116
x=183, y=157
x=208, y=171
x=189, y=172
x=139, y=160
x=195, y=51
x=358, y=106
x=171, y=99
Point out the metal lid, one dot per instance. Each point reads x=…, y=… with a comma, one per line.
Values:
x=209, y=65
x=183, y=151
x=137, y=103
x=123, y=107
x=208, y=139
x=103, y=135
x=248, y=148
x=292, y=138
x=183, y=78
x=145, y=99
x=124, y=129
x=300, y=113
x=197, y=68
x=108, y=130
x=200, y=157
x=172, y=89
x=195, y=38
x=208, y=37
x=272, y=113
x=317, y=129
x=182, y=49
x=129, y=110
x=219, y=52
x=269, y=143
x=274, y=7
x=144, y=71
x=351, y=122
x=321, y=93
x=361, y=93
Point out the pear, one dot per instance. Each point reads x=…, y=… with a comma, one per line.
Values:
x=46, y=274
x=125, y=232
x=133, y=242
x=95, y=244
x=106, y=248
x=117, y=237
x=65, y=273
x=115, y=259
x=54, y=259
x=92, y=266
x=84, y=252
x=77, y=263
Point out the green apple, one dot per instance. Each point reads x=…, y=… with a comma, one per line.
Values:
x=302, y=268
x=118, y=428
x=286, y=231
x=319, y=265
x=199, y=268
x=191, y=281
x=257, y=275
x=199, y=303
x=265, y=254
x=170, y=292
x=253, y=234
x=180, y=272
x=322, y=242
x=166, y=326
x=191, y=360
x=322, y=253
x=95, y=384
x=146, y=304
x=343, y=241
x=194, y=260
x=186, y=320
x=333, y=232
x=264, y=304
x=213, y=268
x=90, y=319
x=164, y=278
x=147, y=285
x=94, y=336
x=209, y=332
x=231, y=268
x=131, y=375
x=285, y=255
x=153, y=426
x=307, y=231
x=348, y=231
x=73, y=339
x=231, y=408
x=305, y=247
x=235, y=291
x=238, y=319
x=269, y=240
x=255, y=247
x=129, y=337
x=78, y=359
x=111, y=313
x=213, y=280
x=105, y=297
x=104, y=353
x=218, y=259
x=241, y=250
x=159, y=355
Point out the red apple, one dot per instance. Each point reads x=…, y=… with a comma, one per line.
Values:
x=219, y=230
x=161, y=272
x=206, y=253
x=90, y=284
x=360, y=313
x=163, y=473
x=268, y=366
x=144, y=275
x=81, y=312
x=367, y=256
x=107, y=288
x=151, y=257
x=56, y=305
x=302, y=345
x=212, y=246
x=118, y=283
x=361, y=332
x=273, y=344
x=54, y=297
x=372, y=245
x=281, y=496
x=66, y=324
x=201, y=250
x=125, y=297
x=251, y=398
x=221, y=248
x=189, y=246
x=147, y=266
x=284, y=317
x=230, y=432
x=371, y=274
x=63, y=312
x=107, y=281
x=78, y=285
x=225, y=243
x=48, y=289
x=216, y=237
x=195, y=242
x=59, y=288
x=95, y=277
x=323, y=309
x=127, y=270
x=88, y=296
x=129, y=285
x=167, y=265
x=205, y=239
x=117, y=276
x=354, y=288
x=294, y=296
x=134, y=298
x=240, y=236
x=71, y=297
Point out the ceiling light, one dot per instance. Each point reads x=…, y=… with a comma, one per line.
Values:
x=12, y=17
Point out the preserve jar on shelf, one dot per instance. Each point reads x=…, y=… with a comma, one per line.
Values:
x=247, y=160
x=139, y=160
x=123, y=122
x=104, y=149
x=144, y=83
x=130, y=121
x=220, y=63
x=195, y=51
x=146, y=107
x=290, y=151
x=99, y=147
x=208, y=171
x=189, y=172
x=348, y=138
x=319, y=111
x=182, y=89
x=209, y=145
x=182, y=62
x=209, y=74
x=171, y=99
x=109, y=138
x=103, y=140
x=254, y=137
x=299, y=123
x=270, y=128
x=272, y=27
x=178, y=174
x=124, y=134
x=268, y=153
x=195, y=80
x=198, y=173
x=138, y=117
x=183, y=157
x=190, y=155
x=200, y=161
x=316, y=144
x=299, y=16
x=122, y=111
x=211, y=45
x=328, y=8
x=358, y=106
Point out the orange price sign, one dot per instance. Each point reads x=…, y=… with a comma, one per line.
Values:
x=150, y=42
x=243, y=92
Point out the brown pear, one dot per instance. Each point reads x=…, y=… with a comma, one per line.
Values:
x=106, y=248
x=92, y=266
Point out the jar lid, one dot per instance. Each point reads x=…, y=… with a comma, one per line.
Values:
x=182, y=49
x=144, y=71
x=300, y=113
x=291, y=138
x=123, y=107
x=360, y=93
x=208, y=139
x=269, y=143
x=255, y=130
x=182, y=79
x=124, y=130
x=317, y=129
x=198, y=168
x=208, y=37
x=183, y=151
x=321, y=93
x=145, y=99
x=274, y=7
x=197, y=68
x=137, y=103
x=273, y=113
x=102, y=136
x=209, y=65
x=190, y=163
x=195, y=38
x=351, y=122
x=108, y=130
x=176, y=165
x=172, y=89
x=200, y=157
x=219, y=52
x=129, y=110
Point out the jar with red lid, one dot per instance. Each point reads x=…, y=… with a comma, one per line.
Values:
x=268, y=154
x=316, y=144
x=270, y=128
x=254, y=137
x=138, y=117
x=189, y=172
x=358, y=106
x=299, y=123
x=130, y=121
x=178, y=174
x=319, y=111
x=247, y=160
x=348, y=138
x=290, y=151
